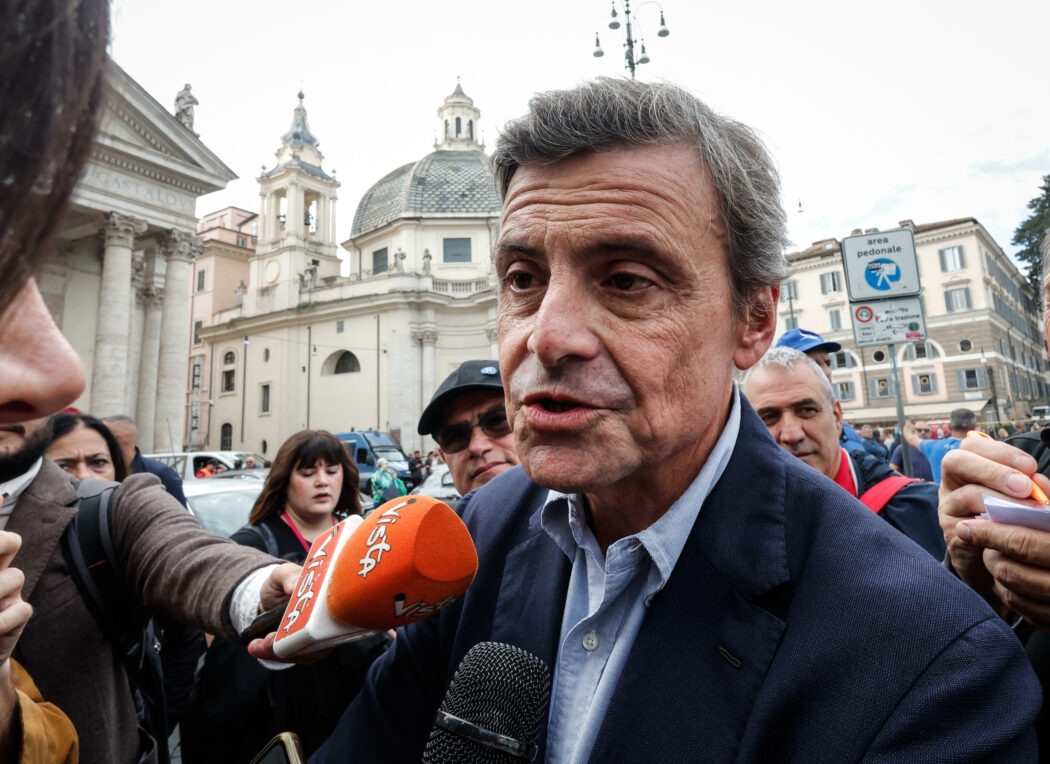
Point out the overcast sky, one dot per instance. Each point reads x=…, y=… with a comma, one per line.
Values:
x=875, y=112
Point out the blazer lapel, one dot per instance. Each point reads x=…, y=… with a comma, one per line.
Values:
x=530, y=603
x=41, y=515
x=710, y=635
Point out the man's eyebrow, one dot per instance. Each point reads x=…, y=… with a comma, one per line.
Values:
x=768, y=410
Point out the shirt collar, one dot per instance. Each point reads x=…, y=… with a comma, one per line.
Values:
x=847, y=475
x=564, y=517
x=13, y=488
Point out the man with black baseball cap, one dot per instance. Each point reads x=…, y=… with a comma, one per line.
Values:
x=468, y=419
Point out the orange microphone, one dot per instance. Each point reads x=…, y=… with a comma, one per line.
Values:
x=408, y=559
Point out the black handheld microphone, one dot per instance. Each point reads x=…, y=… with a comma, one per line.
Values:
x=492, y=711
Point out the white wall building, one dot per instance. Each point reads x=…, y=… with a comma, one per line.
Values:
x=981, y=323
x=308, y=348
x=118, y=285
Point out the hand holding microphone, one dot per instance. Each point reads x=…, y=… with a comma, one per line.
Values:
x=410, y=558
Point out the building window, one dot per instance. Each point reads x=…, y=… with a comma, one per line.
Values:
x=957, y=299
x=970, y=379
x=459, y=127
x=952, y=259
x=242, y=241
x=266, y=354
x=264, y=403
x=227, y=382
x=347, y=363
x=379, y=261
x=881, y=388
x=1002, y=347
x=200, y=279
x=195, y=377
x=338, y=327
x=197, y=326
x=830, y=282
x=457, y=250
x=919, y=350
x=845, y=391
x=965, y=346
x=790, y=322
x=226, y=437
x=878, y=356
x=229, y=357
x=789, y=290
x=843, y=359
x=835, y=319
x=195, y=419
x=924, y=384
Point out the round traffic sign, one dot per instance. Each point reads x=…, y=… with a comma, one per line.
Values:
x=864, y=314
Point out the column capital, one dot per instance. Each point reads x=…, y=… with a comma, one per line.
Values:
x=120, y=230
x=424, y=335
x=493, y=334
x=181, y=245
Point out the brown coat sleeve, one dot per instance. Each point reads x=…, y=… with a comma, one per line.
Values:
x=48, y=736
x=180, y=569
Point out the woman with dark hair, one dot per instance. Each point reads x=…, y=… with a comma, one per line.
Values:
x=85, y=448
x=240, y=705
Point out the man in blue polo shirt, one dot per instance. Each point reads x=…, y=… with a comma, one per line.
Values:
x=960, y=422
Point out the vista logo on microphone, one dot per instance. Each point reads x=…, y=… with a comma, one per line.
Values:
x=377, y=538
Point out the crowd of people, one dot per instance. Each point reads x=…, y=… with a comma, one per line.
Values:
x=709, y=570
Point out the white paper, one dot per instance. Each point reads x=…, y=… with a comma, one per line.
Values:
x=1012, y=513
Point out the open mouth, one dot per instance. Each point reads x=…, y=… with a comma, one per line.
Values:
x=557, y=407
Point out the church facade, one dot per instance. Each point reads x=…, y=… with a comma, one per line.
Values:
x=306, y=347
x=117, y=286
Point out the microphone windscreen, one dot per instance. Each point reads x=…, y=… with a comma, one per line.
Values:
x=500, y=689
x=405, y=560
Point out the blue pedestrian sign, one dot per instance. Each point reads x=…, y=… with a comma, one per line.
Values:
x=881, y=265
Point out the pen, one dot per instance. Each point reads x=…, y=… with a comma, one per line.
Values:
x=1037, y=492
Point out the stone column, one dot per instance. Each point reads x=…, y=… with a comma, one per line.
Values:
x=110, y=366
x=147, y=392
x=135, y=320
x=428, y=338
x=493, y=336
x=169, y=422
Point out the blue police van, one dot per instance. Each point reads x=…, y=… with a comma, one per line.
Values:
x=367, y=447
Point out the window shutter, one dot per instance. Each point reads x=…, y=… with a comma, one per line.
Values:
x=933, y=383
x=960, y=376
x=915, y=383
x=944, y=262
x=962, y=257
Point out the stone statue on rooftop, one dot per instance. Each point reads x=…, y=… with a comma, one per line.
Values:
x=184, y=103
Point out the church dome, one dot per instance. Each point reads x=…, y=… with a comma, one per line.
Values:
x=442, y=183
x=453, y=180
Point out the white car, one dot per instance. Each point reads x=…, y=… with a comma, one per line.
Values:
x=187, y=464
x=438, y=484
x=222, y=506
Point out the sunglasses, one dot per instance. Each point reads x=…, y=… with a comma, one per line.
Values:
x=456, y=437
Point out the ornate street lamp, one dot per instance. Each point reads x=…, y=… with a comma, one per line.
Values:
x=629, y=40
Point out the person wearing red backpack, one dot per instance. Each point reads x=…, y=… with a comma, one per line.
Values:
x=794, y=399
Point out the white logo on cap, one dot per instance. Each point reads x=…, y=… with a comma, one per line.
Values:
x=490, y=370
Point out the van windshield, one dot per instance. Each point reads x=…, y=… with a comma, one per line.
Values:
x=391, y=454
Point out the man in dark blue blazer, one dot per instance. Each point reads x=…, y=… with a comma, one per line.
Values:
x=697, y=593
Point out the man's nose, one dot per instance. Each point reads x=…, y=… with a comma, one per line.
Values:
x=790, y=429
x=39, y=372
x=561, y=328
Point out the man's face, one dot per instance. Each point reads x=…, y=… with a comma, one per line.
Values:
x=795, y=408
x=126, y=434
x=28, y=441
x=484, y=456
x=867, y=432
x=923, y=428
x=616, y=330
x=821, y=357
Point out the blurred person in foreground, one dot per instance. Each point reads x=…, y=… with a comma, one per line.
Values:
x=52, y=89
x=795, y=401
x=696, y=591
x=127, y=434
x=467, y=416
x=1008, y=565
x=240, y=705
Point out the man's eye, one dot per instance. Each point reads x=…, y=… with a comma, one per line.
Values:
x=519, y=280
x=627, y=282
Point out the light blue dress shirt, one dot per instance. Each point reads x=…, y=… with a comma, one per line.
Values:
x=608, y=596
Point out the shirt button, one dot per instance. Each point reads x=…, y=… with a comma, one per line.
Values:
x=590, y=641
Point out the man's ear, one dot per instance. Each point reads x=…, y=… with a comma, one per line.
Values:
x=757, y=326
x=837, y=409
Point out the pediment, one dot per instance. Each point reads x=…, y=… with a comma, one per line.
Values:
x=137, y=127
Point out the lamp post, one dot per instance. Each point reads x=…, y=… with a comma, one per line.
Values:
x=629, y=40
x=990, y=372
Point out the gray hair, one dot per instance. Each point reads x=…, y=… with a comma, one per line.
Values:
x=786, y=358
x=610, y=112
x=962, y=420
x=1045, y=249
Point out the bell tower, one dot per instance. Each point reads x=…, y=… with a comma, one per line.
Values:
x=297, y=237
